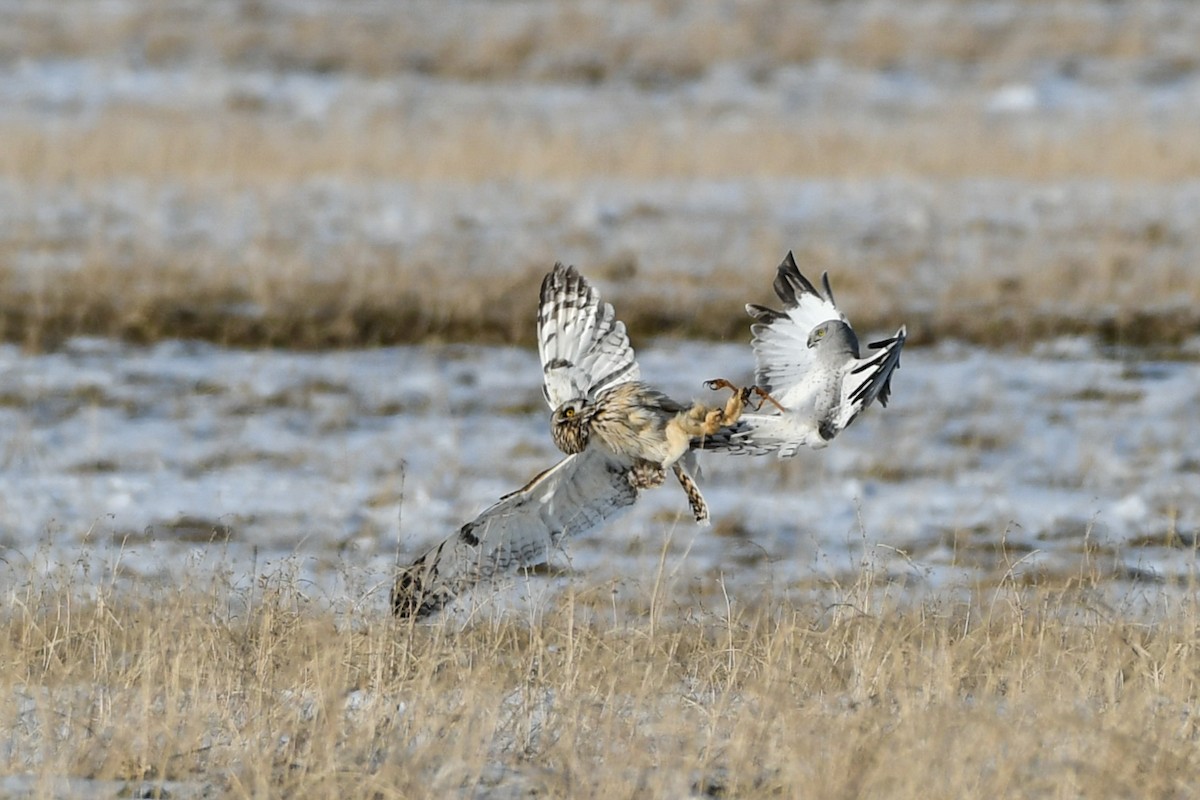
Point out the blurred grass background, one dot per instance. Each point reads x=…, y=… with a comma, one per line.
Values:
x=344, y=174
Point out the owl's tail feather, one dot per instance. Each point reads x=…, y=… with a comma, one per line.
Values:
x=416, y=592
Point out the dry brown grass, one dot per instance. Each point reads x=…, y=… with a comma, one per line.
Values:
x=263, y=692
x=485, y=142
x=648, y=41
x=237, y=307
x=372, y=298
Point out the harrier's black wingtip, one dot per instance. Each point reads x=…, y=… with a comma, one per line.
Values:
x=762, y=314
x=828, y=288
x=789, y=282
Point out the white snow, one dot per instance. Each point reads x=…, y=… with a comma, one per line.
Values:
x=341, y=463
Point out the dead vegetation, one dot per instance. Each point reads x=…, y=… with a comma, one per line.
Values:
x=486, y=137
x=649, y=42
x=393, y=304
x=206, y=688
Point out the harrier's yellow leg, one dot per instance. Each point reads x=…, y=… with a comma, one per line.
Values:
x=705, y=420
x=702, y=420
x=763, y=395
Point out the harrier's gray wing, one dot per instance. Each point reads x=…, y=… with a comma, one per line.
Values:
x=782, y=357
x=870, y=378
x=583, y=346
x=520, y=530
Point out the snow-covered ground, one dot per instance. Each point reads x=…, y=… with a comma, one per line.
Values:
x=995, y=162
x=84, y=87
x=147, y=464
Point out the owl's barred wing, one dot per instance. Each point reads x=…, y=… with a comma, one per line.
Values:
x=520, y=530
x=870, y=378
x=781, y=352
x=583, y=346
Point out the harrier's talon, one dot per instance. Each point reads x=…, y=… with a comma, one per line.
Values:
x=765, y=397
x=719, y=383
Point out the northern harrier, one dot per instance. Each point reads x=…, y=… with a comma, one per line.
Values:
x=807, y=358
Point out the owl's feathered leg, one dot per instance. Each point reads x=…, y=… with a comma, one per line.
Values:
x=646, y=475
x=763, y=395
x=695, y=499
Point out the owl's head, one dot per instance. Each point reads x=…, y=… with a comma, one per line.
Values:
x=834, y=336
x=570, y=426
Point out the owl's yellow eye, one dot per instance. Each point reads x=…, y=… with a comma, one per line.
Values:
x=568, y=412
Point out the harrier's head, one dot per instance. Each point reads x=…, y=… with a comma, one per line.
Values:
x=571, y=425
x=834, y=337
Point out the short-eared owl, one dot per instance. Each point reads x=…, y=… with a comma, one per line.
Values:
x=590, y=380
x=520, y=530
x=621, y=436
x=807, y=357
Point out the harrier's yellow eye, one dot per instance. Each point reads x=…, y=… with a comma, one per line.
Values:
x=820, y=332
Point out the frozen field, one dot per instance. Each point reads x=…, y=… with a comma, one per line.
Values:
x=148, y=464
x=267, y=282
x=349, y=175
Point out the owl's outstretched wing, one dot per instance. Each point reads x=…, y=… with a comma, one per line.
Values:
x=520, y=530
x=583, y=346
